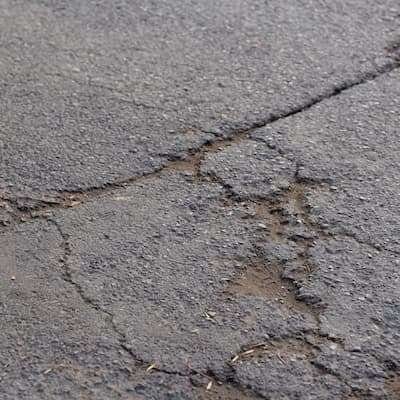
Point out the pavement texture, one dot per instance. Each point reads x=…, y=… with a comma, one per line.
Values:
x=200, y=200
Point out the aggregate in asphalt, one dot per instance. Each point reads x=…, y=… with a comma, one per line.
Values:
x=199, y=200
x=96, y=91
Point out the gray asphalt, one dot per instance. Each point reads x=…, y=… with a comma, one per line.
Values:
x=200, y=200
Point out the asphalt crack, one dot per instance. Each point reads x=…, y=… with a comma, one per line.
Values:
x=27, y=208
x=144, y=367
x=68, y=278
x=192, y=160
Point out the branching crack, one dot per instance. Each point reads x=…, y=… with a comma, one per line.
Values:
x=143, y=365
x=286, y=209
x=191, y=161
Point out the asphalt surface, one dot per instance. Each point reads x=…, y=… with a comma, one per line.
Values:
x=200, y=200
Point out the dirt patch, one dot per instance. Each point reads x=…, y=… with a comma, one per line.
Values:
x=264, y=213
x=265, y=281
x=393, y=387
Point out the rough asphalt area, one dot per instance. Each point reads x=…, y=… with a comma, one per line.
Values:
x=200, y=199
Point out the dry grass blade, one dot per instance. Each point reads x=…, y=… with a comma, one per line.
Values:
x=234, y=359
x=245, y=353
x=150, y=367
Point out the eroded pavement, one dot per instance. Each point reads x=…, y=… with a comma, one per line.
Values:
x=200, y=200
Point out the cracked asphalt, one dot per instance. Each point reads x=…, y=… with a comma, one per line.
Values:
x=200, y=200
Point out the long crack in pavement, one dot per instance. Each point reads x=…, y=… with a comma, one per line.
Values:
x=256, y=259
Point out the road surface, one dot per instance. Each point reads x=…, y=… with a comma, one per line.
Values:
x=200, y=199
